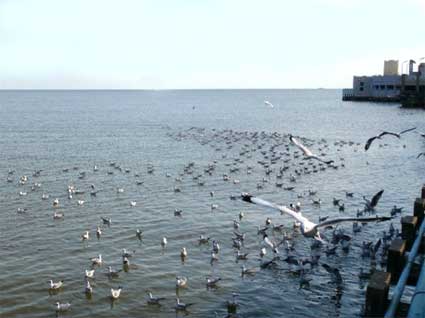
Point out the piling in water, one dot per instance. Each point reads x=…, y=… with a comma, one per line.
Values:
x=396, y=258
x=377, y=294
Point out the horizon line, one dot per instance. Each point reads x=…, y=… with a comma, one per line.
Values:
x=162, y=89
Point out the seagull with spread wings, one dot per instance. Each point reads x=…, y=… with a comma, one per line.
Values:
x=371, y=204
x=307, y=152
x=398, y=135
x=308, y=228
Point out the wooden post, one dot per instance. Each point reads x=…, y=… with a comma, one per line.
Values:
x=396, y=258
x=377, y=294
x=408, y=230
x=423, y=192
x=418, y=210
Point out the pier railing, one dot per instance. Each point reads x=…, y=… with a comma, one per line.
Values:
x=402, y=270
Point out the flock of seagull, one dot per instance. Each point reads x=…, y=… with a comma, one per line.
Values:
x=269, y=154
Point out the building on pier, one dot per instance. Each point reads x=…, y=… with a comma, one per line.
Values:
x=409, y=89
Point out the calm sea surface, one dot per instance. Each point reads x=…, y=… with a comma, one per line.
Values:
x=55, y=130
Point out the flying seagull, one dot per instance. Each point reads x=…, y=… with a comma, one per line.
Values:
x=308, y=228
x=267, y=103
x=398, y=135
x=307, y=152
x=371, y=204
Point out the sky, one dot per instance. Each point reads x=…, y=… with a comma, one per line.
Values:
x=196, y=44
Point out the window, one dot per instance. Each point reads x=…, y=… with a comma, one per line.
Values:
x=391, y=87
x=361, y=89
x=361, y=83
x=382, y=87
x=376, y=87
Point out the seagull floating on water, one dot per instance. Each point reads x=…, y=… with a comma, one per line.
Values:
x=89, y=273
x=181, y=281
x=182, y=306
x=55, y=286
x=154, y=300
x=115, y=293
x=62, y=306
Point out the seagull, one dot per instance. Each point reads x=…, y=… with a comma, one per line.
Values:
x=183, y=252
x=106, y=221
x=63, y=306
x=420, y=154
x=88, y=289
x=216, y=247
x=271, y=244
x=164, y=242
x=370, y=140
x=98, y=232
x=263, y=252
x=115, y=293
x=333, y=271
x=181, y=281
x=55, y=286
x=58, y=215
x=97, y=260
x=127, y=254
x=247, y=271
x=139, y=234
x=267, y=103
x=241, y=256
x=153, y=300
x=113, y=273
x=89, y=273
x=232, y=305
x=212, y=282
x=203, y=239
x=85, y=236
x=308, y=228
x=181, y=306
x=371, y=204
x=306, y=151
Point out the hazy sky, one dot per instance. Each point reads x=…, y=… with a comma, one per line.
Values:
x=203, y=43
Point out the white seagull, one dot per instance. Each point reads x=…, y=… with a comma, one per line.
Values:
x=181, y=281
x=63, y=306
x=308, y=228
x=97, y=260
x=89, y=273
x=115, y=293
x=267, y=103
x=307, y=152
x=55, y=286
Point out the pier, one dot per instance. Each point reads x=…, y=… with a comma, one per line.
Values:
x=407, y=89
x=405, y=266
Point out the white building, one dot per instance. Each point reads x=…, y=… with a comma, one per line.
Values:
x=387, y=87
